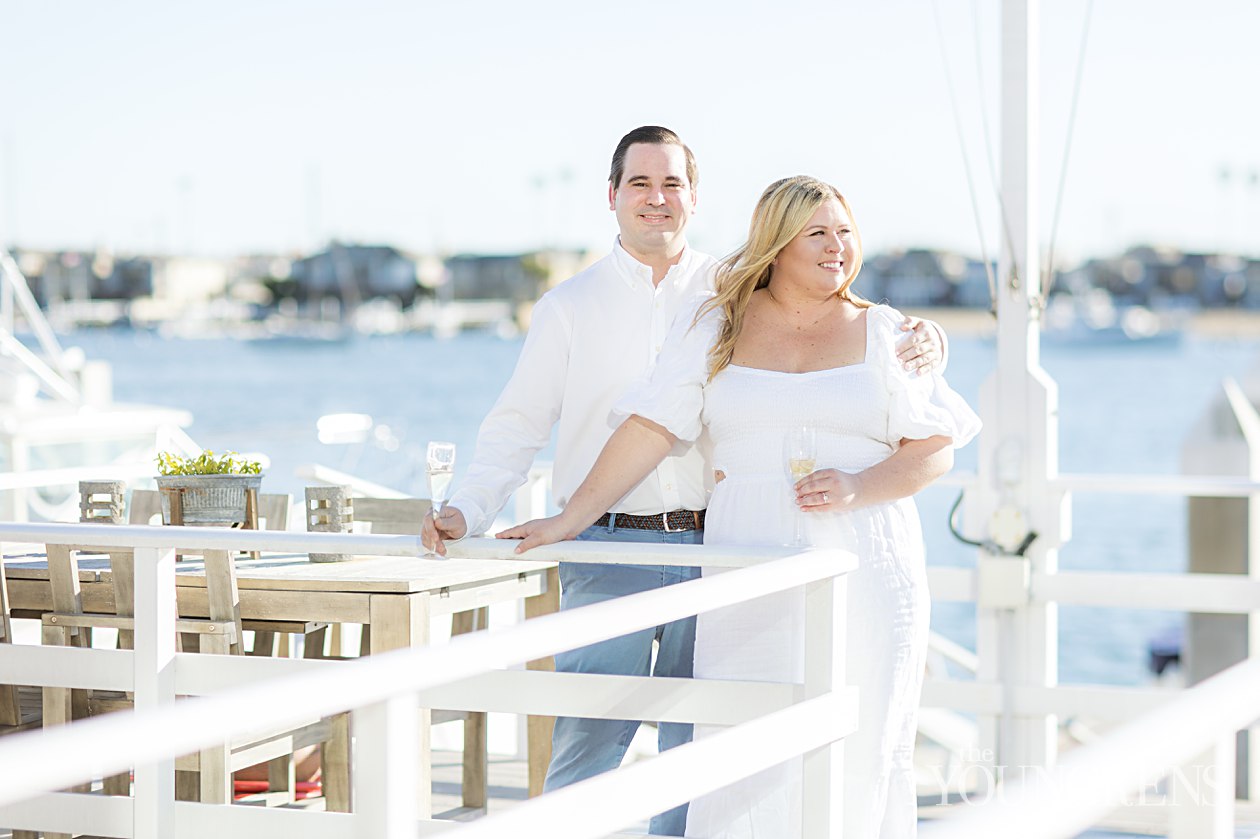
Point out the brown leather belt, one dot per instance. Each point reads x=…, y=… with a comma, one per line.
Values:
x=671, y=522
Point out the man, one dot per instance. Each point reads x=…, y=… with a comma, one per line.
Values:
x=590, y=338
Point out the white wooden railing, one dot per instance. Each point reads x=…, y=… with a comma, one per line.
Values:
x=984, y=697
x=1186, y=486
x=769, y=723
x=1008, y=588
x=1190, y=740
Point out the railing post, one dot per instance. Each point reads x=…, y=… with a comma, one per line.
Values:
x=533, y=739
x=822, y=795
x=1202, y=794
x=154, y=679
x=531, y=499
x=386, y=768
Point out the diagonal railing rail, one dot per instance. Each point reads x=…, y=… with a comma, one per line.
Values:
x=1189, y=740
x=384, y=691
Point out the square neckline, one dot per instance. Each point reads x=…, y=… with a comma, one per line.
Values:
x=866, y=356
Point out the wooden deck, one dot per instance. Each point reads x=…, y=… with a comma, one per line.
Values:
x=509, y=782
x=509, y=785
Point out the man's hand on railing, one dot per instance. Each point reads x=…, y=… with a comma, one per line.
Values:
x=450, y=524
x=540, y=532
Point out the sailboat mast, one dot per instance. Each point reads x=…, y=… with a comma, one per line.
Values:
x=1017, y=640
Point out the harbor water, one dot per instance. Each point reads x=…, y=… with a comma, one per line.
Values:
x=1124, y=408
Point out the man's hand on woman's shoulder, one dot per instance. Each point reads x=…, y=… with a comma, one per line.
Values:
x=923, y=348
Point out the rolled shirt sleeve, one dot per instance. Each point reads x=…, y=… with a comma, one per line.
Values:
x=520, y=423
x=672, y=395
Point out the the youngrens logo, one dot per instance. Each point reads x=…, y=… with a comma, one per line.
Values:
x=973, y=778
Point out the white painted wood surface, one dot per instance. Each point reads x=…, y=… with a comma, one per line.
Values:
x=1189, y=733
x=391, y=684
x=608, y=802
x=154, y=678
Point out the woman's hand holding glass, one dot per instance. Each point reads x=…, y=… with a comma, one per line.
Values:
x=800, y=450
x=828, y=489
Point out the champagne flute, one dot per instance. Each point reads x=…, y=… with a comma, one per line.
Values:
x=799, y=456
x=440, y=469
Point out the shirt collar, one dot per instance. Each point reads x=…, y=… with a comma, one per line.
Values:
x=635, y=272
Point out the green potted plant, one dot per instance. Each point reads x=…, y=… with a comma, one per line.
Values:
x=212, y=489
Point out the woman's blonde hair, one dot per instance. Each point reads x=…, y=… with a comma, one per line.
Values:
x=781, y=214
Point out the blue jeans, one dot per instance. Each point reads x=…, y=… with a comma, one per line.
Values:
x=583, y=747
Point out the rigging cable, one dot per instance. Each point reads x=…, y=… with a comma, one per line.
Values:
x=1048, y=277
x=1003, y=217
x=962, y=146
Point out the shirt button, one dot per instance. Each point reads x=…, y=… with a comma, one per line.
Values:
x=669, y=486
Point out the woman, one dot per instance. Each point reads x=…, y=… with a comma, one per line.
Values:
x=786, y=343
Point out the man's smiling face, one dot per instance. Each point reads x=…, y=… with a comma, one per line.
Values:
x=654, y=200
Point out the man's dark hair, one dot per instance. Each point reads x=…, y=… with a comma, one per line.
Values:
x=656, y=135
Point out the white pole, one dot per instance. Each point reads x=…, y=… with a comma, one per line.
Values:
x=386, y=769
x=822, y=794
x=154, y=679
x=34, y=317
x=6, y=298
x=1016, y=639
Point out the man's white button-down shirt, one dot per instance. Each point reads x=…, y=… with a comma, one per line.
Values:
x=590, y=338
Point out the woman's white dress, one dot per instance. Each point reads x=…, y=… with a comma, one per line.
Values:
x=861, y=413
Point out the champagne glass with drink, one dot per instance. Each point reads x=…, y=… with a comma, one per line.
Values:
x=799, y=456
x=440, y=469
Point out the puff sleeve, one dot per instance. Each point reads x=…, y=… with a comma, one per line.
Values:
x=672, y=394
x=920, y=405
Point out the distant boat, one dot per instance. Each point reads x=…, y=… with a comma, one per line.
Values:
x=448, y=318
x=277, y=328
x=59, y=423
x=1094, y=318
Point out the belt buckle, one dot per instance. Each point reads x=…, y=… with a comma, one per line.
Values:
x=665, y=522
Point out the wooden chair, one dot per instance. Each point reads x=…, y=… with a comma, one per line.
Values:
x=20, y=705
x=404, y=516
x=206, y=776
x=270, y=637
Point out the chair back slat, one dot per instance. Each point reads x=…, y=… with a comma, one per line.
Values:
x=224, y=600
x=273, y=510
x=6, y=628
x=10, y=709
x=145, y=504
x=122, y=566
x=392, y=516
x=63, y=576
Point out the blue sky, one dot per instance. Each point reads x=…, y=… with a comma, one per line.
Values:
x=267, y=125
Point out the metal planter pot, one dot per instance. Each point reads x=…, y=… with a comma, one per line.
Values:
x=208, y=499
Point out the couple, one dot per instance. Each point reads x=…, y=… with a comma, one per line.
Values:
x=783, y=342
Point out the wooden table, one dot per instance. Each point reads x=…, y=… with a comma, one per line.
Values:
x=396, y=597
